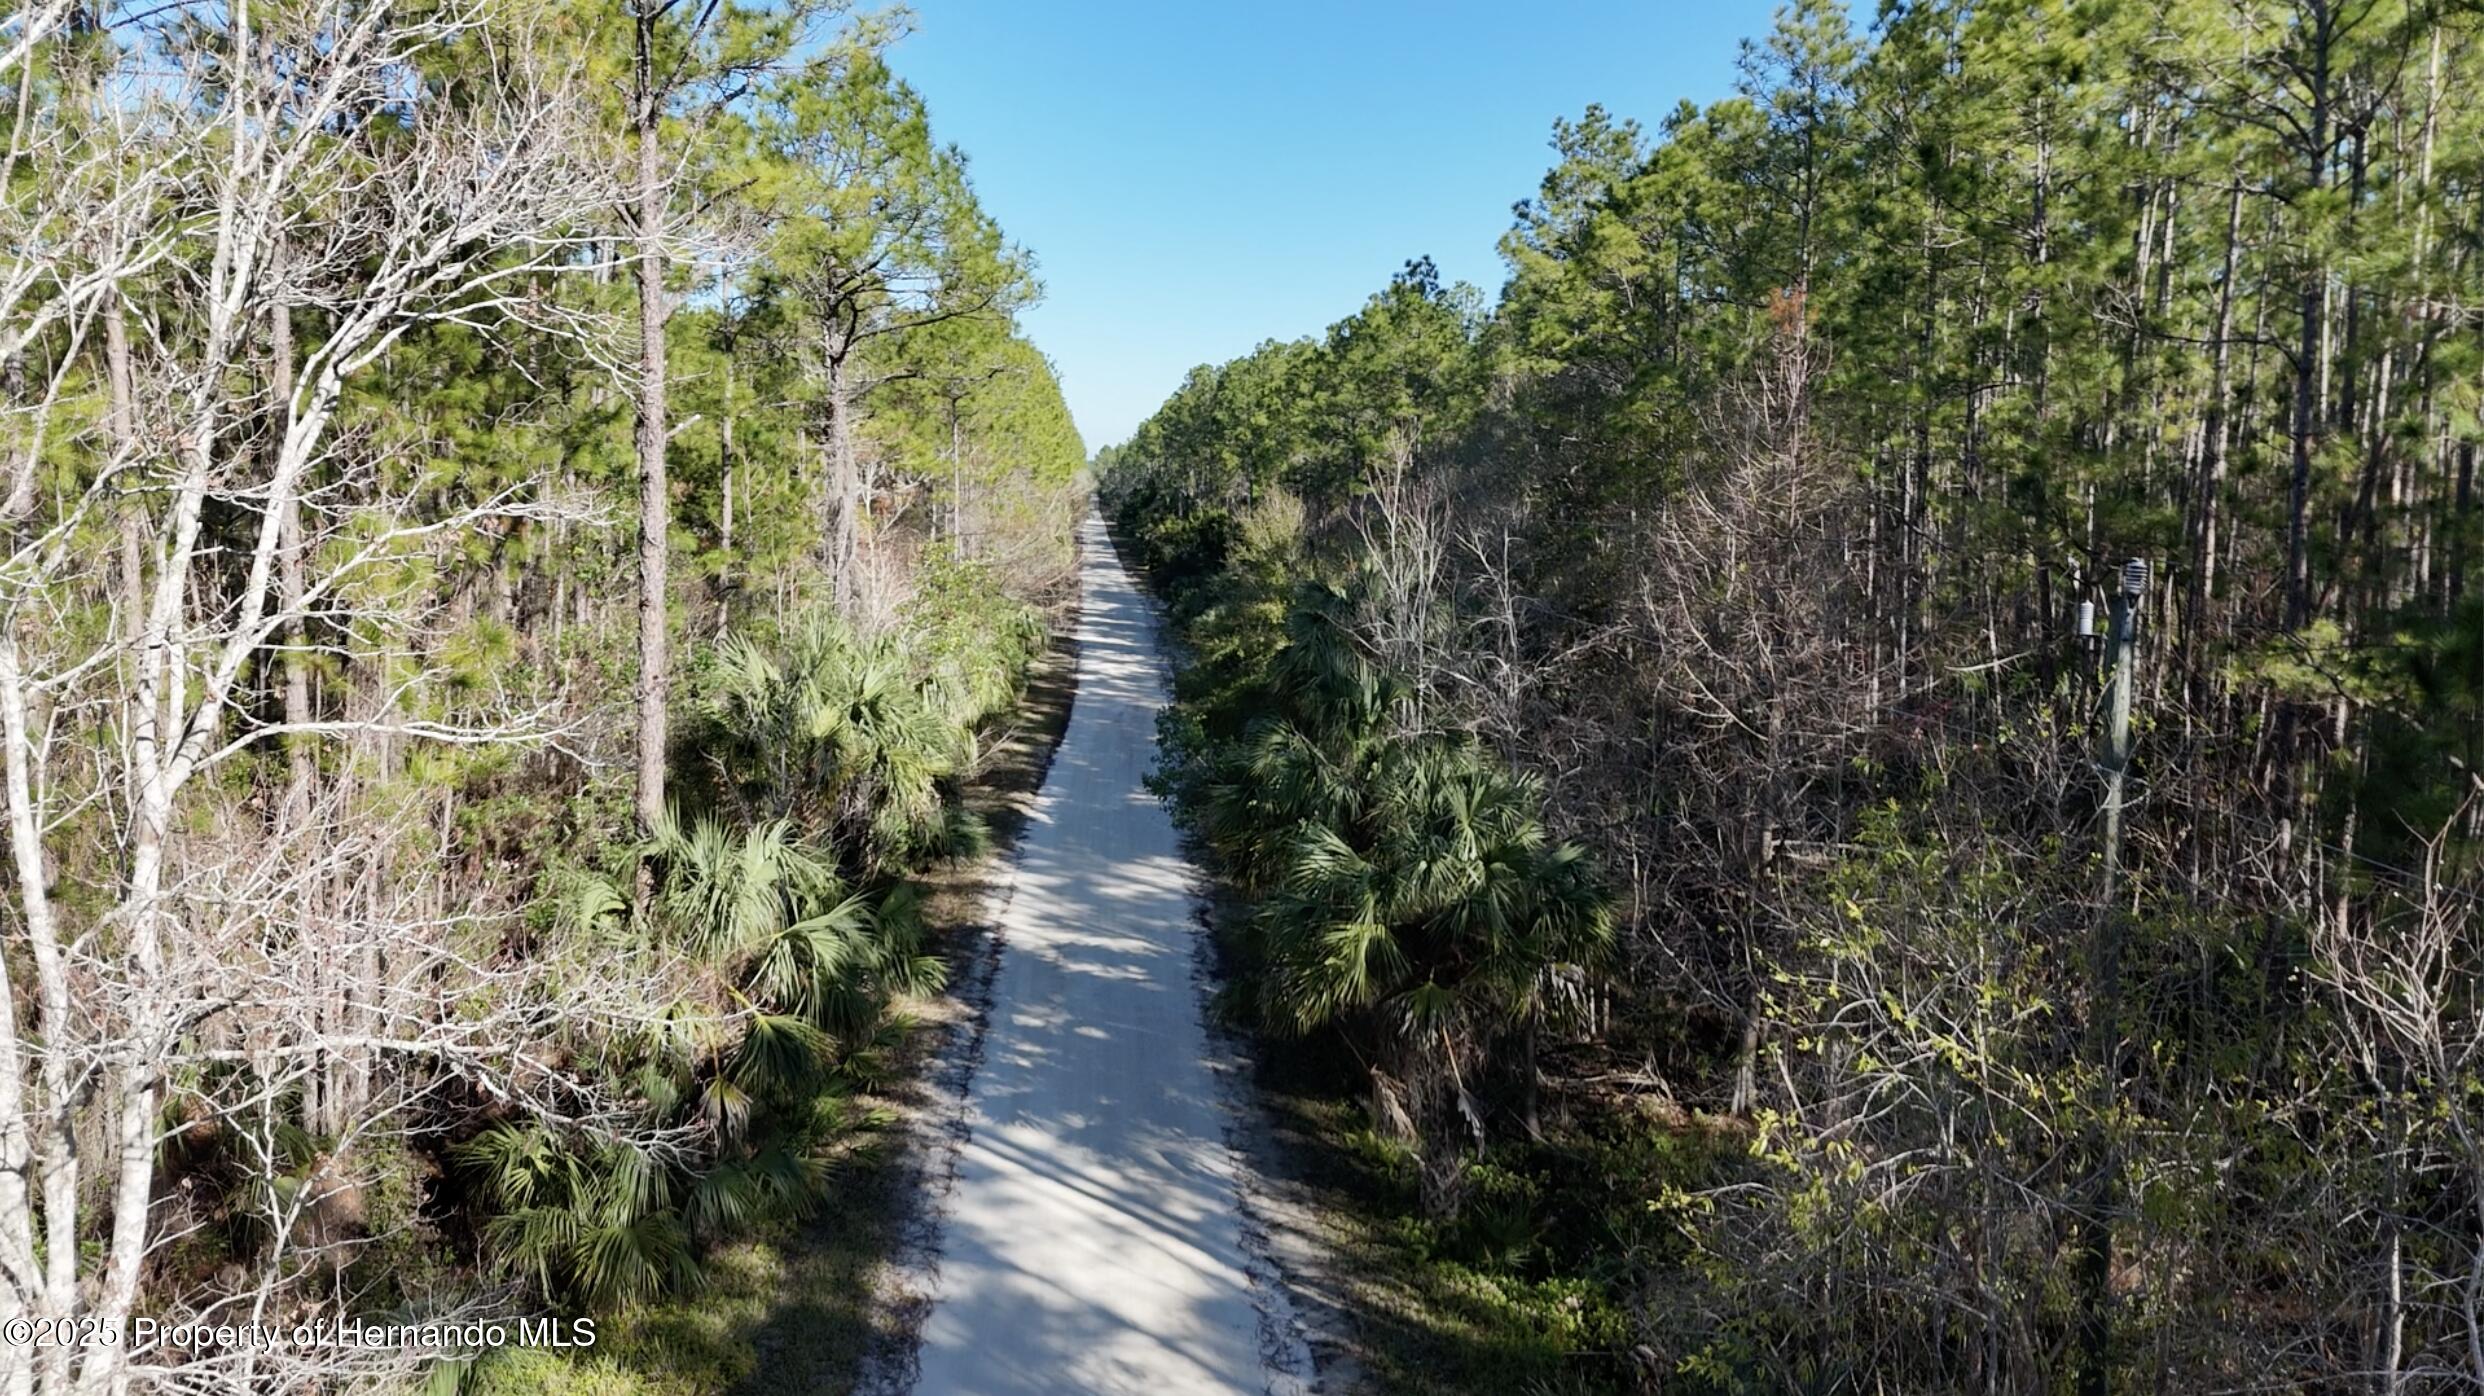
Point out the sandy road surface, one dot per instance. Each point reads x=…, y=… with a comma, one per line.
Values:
x=1093, y=1241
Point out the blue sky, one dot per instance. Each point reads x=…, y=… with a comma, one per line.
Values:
x=1195, y=176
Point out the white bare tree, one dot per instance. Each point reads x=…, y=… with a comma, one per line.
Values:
x=2404, y=977
x=178, y=521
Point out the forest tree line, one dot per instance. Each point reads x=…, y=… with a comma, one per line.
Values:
x=1649, y=719
x=514, y=520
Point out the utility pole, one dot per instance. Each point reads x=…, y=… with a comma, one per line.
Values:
x=2104, y=1026
x=2114, y=760
x=957, y=477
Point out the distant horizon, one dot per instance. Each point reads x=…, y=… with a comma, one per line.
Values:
x=1184, y=203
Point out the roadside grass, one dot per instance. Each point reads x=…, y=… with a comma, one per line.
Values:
x=783, y=1313
x=1531, y=1290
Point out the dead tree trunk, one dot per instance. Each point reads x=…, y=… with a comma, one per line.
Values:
x=654, y=491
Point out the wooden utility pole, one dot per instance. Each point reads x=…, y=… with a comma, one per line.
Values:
x=2104, y=1028
x=957, y=473
x=2113, y=760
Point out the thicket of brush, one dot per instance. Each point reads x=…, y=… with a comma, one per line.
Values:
x=1749, y=528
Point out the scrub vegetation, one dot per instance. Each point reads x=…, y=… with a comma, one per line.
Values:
x=522, y=527
x=1658, y=724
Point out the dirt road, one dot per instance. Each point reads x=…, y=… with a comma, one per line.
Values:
x=1093, y=1241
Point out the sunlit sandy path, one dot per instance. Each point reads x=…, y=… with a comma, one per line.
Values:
x=1093, y=1241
